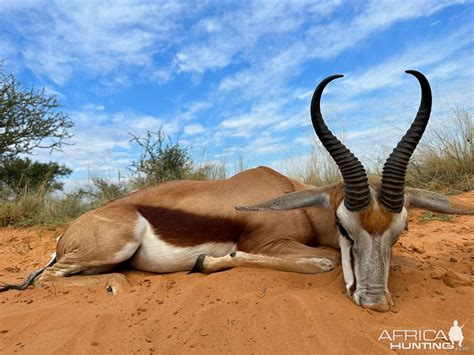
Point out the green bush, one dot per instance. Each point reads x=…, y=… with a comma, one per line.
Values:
x=20, y=173
x=160, y=160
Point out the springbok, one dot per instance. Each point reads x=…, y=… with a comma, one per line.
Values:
x=195, y=226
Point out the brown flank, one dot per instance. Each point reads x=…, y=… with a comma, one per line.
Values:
x=184, y=229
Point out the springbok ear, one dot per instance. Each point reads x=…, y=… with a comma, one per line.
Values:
x=416, y=198
x=293, y=200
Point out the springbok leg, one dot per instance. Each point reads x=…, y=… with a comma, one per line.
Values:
x=301, y=259
x=90, y=261
x=113, y=282
x=67, y=265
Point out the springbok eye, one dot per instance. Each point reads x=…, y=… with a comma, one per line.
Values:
x=343, y=232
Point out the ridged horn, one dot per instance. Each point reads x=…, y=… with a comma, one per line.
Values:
x=394, y=169
x=356, y=189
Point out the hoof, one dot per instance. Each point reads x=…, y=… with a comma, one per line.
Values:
x=198, y=265
x=326, y=264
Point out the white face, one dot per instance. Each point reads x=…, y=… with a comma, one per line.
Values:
x=366, y=258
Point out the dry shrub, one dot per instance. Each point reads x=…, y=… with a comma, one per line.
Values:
x=19, y=207
x=27, y=208
x=104, y=190
x=317, y=169
x=444, y=161
x=40, y=206
x=210, y=170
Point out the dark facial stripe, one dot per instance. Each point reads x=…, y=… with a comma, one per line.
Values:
x=354, y=285
x=182, y=228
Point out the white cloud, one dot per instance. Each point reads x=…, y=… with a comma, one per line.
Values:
x=304, y=140
x=323, y=41
x=247, y=121
x=390, y=72
x=265, y=143
x=92, y=107
x=330, y=40
x=192, y=109
x=250, y=55
x=89, y=37
x=236, y=34
x=247, y=124
x=193, y=129
x=96, y=39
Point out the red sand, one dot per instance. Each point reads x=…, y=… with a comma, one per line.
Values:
x=243, y=310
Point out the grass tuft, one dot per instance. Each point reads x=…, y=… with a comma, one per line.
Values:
x=444, y=161
x=317, y=169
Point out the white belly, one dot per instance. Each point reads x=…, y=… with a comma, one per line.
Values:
x=156, y=255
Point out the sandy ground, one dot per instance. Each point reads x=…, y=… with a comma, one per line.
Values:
x=243, y=310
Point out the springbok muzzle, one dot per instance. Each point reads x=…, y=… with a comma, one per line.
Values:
x=373, y=299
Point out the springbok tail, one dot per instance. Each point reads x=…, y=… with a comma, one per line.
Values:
x=30, y=279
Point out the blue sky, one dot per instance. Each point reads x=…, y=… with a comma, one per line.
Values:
x=235, y=78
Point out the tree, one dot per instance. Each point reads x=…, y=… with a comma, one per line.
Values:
x=19, y=174
x=29, y=119
x=160, y=159
x=105, y=190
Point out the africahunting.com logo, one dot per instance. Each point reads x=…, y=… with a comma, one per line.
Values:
x=425, y=339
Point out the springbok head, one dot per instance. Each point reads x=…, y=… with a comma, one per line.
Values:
x=370, y=214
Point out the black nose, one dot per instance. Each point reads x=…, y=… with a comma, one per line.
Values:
x=378, y=303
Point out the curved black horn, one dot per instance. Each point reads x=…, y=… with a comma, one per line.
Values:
x=356, y=190
x=393, y=173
